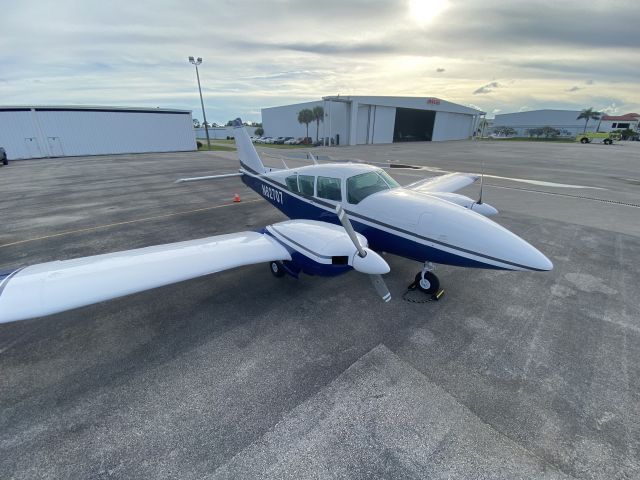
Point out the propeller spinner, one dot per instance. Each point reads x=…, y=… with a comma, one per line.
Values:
x=366, y=260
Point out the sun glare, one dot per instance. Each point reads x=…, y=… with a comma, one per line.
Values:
x=423, y=11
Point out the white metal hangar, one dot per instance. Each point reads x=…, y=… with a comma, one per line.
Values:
x=356, y=120
x=37, y=132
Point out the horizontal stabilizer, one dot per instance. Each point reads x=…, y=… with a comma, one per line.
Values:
x=209, y=177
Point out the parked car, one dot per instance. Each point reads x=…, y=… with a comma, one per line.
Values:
x=3, y=156
x=292, y=141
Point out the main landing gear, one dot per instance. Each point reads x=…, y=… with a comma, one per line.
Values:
x=277, y=269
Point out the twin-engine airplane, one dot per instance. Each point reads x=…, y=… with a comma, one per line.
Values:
x=341, y=214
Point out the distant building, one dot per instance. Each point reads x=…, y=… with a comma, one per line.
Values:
x=609, y=123
x=566, y=121
x=356, y=120
x=37, y=132
x=221, y=133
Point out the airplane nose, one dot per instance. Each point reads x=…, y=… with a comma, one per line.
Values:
x=539, y=261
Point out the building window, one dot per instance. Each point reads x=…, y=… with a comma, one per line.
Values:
x=623, y=125
x=329, y=188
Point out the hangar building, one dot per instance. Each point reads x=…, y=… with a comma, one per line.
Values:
x=564, y=120
x=356, y=120
x=37, y=132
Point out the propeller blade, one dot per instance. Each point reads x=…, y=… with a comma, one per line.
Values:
x=346, y=224
x=381, y=287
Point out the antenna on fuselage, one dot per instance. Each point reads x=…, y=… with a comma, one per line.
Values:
x=479, y=202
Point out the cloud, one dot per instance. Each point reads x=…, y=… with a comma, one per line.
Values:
x=134, y=53
x=488, y=88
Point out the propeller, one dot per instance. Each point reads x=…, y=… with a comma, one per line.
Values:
x=366, y=260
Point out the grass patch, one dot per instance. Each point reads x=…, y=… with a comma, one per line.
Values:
x=271, y=145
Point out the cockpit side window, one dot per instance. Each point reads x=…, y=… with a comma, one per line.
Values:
x=361, y=186
x=292, y=183
x=305, y=183
x=329, y=188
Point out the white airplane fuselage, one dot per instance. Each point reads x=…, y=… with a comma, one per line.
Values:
x=397, y=220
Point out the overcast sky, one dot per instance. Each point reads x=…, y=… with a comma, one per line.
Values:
x=500, y=56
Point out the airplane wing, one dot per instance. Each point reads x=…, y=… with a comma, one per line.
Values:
x=448, y=183
x=53, y=287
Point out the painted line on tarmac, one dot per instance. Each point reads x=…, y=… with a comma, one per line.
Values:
x=128, y=222
x=558, y=194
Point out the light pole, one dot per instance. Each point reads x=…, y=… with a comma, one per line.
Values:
x=204, y=115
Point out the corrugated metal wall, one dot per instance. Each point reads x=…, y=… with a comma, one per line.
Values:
x=66, y=132
x=452, y=126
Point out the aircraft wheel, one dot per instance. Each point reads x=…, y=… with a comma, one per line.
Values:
x=584, y=140
x=607, y=142
x=277, y=269
x=429, y=284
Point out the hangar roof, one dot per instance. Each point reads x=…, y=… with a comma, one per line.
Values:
x=92, y=108
x=420, y=103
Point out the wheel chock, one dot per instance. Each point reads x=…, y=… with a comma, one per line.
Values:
x=436, y=296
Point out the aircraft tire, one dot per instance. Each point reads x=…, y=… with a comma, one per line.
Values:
x=277, y=269
x=432, y=284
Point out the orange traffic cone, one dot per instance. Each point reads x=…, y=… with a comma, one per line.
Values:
x=236, y=198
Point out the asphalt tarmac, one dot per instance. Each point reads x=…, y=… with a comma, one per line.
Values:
x=242, y=375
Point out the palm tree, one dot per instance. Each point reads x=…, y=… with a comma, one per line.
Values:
x=318, y=116
x=305, y=116
x=588, y=114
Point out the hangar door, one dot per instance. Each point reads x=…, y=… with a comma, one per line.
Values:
x=413, y=125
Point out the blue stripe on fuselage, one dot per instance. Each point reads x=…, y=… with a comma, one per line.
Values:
x=295, y=207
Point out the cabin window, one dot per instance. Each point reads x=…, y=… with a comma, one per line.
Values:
x=329, y=188
x=305, y=184
x=292, y=183
x=361, y=186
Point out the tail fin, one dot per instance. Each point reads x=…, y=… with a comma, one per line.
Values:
x=247, y=154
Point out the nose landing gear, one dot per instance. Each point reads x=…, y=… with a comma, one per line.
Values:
x=426, y=281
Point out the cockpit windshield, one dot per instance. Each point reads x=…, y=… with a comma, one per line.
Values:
x=361, y=186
